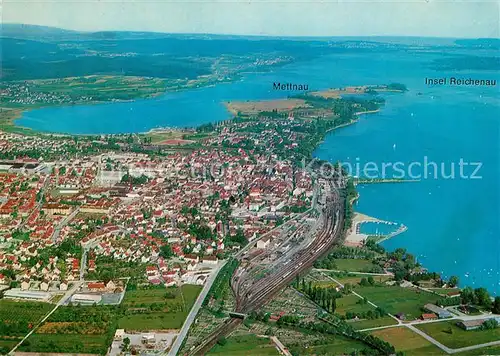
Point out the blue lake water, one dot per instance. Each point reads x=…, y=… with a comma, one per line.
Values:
x=453, y=224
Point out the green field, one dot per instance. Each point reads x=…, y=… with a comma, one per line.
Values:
x=449, y=334
x=172, y=313
x=396, y=300
x=94, y=344
x=373, y=323
x=75, y=329
x=407, y=341
x=350, y=303
x=7, y=343
x=245, y=345
x=16, y=316
x=353, y=265
x=492, y=350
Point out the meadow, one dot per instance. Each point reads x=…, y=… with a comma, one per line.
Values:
x=449, y=334
x=396, y=300
x=405, y=340
x=153, y=309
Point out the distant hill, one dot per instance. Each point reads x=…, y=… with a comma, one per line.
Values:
x=54, y=34
x=34, y=32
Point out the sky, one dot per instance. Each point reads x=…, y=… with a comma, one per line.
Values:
x=433, y=18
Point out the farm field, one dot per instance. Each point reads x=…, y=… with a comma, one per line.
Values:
x=23, y=314
x=398, y=300
x=245, y=345
x=449, y=334
x=74, y=329
x=150, y=309
x=405, y=340
x=66, y=343
x=7, y=343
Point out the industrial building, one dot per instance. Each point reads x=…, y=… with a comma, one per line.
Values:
x=17, y=293
x=81, y=298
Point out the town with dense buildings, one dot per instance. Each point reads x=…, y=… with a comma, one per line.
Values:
x=131, y=244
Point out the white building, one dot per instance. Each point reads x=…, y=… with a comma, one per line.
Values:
x=17, y=293
x=81, y=298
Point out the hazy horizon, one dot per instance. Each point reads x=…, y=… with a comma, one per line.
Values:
x=285, y=18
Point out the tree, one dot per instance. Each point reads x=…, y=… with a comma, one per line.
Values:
x=489, y=324
x=126, y=344
x=496, y=305
x=364, y=282
x=166, y=251
x=482, y=297
x=467, y=295
x=371, y=280
x=453, y=282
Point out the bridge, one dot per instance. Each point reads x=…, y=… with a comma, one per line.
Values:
x=237, y=315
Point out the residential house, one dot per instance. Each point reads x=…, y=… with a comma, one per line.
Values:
x=96, y=286
x=429, y=316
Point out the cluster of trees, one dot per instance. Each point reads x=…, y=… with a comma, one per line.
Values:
x=370, y=314
x=210, y=127
x=259, y=316
x=166, y=251
x=326, y=297
x=238, y=238
x=371, y=245
x=21, y=235
x=127, y=178
x=367, y=282
x=478, y=296
x=397, y=86
x=201, y=231
x=448, y=302
x=350, y=194
x=489, y=324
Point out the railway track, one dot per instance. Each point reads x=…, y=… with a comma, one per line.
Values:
x=264, y=289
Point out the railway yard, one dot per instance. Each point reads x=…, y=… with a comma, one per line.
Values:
x=262, y=274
